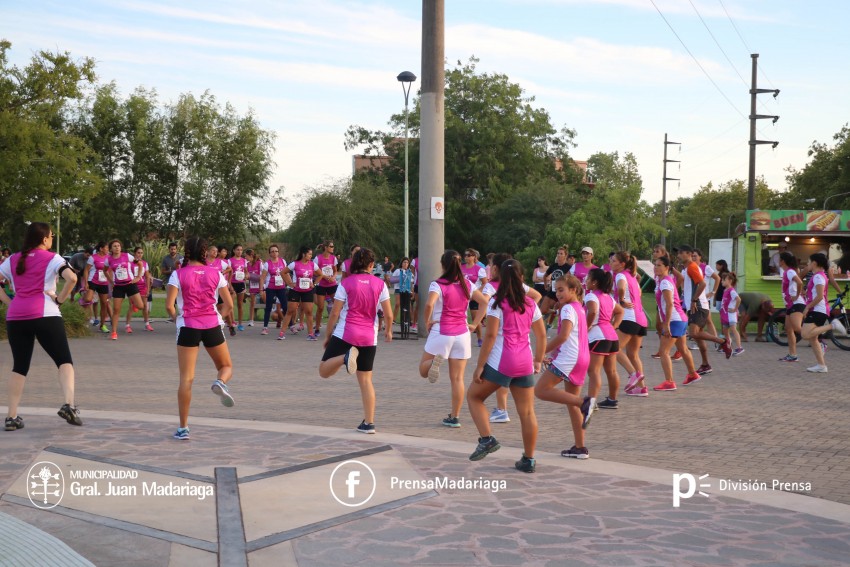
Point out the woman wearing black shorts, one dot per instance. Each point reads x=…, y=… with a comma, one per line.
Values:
x=34, y=314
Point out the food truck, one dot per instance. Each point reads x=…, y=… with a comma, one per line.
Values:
x=803, y=232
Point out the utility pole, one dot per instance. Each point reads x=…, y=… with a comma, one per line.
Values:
x=432, y=148
x=665, y=179
x=751, y=186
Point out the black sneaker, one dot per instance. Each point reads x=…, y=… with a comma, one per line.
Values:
x=368, y=428
x=526, y=465
x=608, y=403
x=576, y=453
x=232, y=331
x=13, y=423
x=586, y=411
x=451, y=421
x=69, y=414
x=486, y=445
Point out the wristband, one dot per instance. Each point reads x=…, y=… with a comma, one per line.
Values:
x=56, y=301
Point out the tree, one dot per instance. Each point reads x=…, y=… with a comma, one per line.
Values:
x=828, y=173
x=43, y=167
x=358, y=211
x=495, y=142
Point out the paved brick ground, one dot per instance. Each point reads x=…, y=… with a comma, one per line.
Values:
x=753, y=418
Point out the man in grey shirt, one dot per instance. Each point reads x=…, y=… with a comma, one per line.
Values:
x=78, y=263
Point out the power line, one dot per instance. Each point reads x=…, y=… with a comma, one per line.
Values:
x=763, y=74
x=692, y=149
x=732, y=104
x=717, y=43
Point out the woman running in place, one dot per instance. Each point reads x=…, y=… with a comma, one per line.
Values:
x=303, y=274
x=194, y=287
x=729, y=311
x=119, y=272
x=603, y=316
x=795, y=303
x=507, y=361
x=238, y=277
x=276, y=278
x=568, y=358
x=500, y=412
x=674, y=325
x=815, y=313
x=448, y=331
x=326, y=288
x=224, y=262
x=632, y=328
x=34, y=314
x=477, y=277
x=352, y=336
x=95, y=282
x=141, y=270
x=255, y=269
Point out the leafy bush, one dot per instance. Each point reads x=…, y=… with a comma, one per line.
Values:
x=76, y=322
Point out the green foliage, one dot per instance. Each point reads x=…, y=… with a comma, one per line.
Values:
x=154, y=252
x=358, y=211
x=828, y=173
x=75, y=319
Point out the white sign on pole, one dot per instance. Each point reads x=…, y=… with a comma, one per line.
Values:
x=438, y=208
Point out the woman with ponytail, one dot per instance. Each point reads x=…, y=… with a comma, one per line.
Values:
x=632, y=329
x=603, y=317
x=352, y=336
x=195, y=288
x=119, y=272
x=448, y=333
x=34, y=314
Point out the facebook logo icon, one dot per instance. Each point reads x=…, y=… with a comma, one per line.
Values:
x=353, y=483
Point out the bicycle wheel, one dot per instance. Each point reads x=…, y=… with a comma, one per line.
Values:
x=841, y=340
x=776, y=328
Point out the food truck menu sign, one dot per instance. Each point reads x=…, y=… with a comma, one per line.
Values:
x=804, y=221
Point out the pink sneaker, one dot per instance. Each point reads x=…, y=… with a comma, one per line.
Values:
x=148, y=327
x=665, y=386
x=639, y=392
x=128, y=329
x=633, y=380
x=691, y=378
x=265, y=331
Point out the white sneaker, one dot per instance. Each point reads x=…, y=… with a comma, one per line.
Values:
x=499, y=416
x=434, y=371
x=817, y=368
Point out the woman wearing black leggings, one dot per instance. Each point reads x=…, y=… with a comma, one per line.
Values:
x=34, y=314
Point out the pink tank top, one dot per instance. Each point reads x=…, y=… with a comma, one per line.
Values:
x=199, y=294
x=362, y=295
x=275, y=270
x=240, y=270
x=97, y=274
x=677, y=303
x=303, y=272
x=603, y=315
x=326, y=266
x=517, y=359
x=634, y=296
x=122, y=268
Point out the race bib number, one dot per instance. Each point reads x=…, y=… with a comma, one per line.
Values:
x=278, y=280
x=553, y=284
x=327, y=271
x=240, y=276
x=121, y=273
x=136, y=270
x=100, y=275
x=255, y=285
x=305, y=283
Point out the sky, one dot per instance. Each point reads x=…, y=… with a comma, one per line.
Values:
x=622, y=73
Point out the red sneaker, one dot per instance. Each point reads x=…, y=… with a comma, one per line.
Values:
x=691, y=378
x=677, y=357
x=665, y=386
x=657, y=355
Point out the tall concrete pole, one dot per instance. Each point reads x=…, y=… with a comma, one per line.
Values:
x=432, y=149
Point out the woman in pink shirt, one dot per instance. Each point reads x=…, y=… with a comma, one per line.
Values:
x=603, y=316
x=506, y=360
x=238, y=278
x=303, y=274
x=632, y=328
x=142, y=271
x=95, y=282
x=568, y=356
x=119, y=272
x=255, y=286
x=448, y=333
x=195, y=288
x=326, y=263
x=34, y=314
x=352, y=336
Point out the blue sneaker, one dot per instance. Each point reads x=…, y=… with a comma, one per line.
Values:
x=499, y=416
x=182, y=433
x=367, y=428
x=219, y=388
x=240, y=327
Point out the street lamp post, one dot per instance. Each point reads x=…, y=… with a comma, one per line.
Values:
x=831, y=196
x=406, y=79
